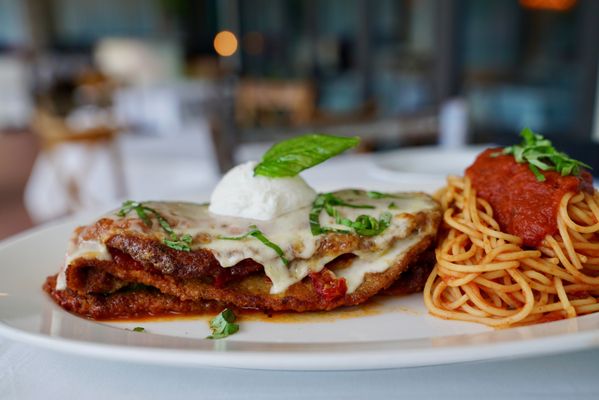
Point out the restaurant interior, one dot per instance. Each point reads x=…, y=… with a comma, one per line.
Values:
x=103, y=100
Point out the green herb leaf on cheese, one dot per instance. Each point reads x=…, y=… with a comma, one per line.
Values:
x=328, y=202
x=174, y=241
x=290, y=157
x=256, y=233
x=377, y=195
x=364, y=225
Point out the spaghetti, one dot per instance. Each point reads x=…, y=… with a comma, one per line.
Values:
x=486, y=275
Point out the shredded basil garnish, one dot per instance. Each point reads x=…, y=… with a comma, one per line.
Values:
x=256, y=233
x=292, y=156
x=364, y=225
x=540, y=154
x=380, y=195
x=174, y=241
x=377, y=195
x=393, y=206
x=139, y=329
x=183, y=243
x=223, y=325
x=328, y=202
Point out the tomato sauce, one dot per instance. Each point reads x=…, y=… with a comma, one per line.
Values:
x=328, y=286
x=522, y=205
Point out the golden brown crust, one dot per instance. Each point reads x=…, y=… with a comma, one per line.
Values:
x=190, y=277
x=143, y=302
x=126, y=304
x=254, y=291
x=414, y=278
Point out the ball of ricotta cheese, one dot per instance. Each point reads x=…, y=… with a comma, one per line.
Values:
x=241, y=194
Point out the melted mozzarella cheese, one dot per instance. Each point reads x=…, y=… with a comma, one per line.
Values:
x=291, y=232
x=87, y=249
x=380, y=261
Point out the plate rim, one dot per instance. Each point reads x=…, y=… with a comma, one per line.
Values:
x=362, y=359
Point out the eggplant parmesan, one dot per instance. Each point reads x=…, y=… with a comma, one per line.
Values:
x=172, y=257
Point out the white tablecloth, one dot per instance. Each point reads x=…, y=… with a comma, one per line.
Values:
x=28, y=372
x=31, y=373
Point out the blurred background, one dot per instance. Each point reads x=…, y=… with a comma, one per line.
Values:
x=102, y=100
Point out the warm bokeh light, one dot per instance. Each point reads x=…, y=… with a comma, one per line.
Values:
x=556, y=5
x=225, y=43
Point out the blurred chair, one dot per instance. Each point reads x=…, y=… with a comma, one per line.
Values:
x=76, y=168
x=257, y=101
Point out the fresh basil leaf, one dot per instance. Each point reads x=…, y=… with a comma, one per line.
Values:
x=223, y=325
x=245, y=235
x=256, y=233
x=139, y=329
x=314, y=216
x=260, y=236
x=519, y=154
x=540, y=154
x=126, y=207
x=292, y=156
x=327, y=229
x=376, y=195
x=164, y=224
x=540, y=177
x=380, y=195
x=141, y=213
x=567, y=170
x=182, y=243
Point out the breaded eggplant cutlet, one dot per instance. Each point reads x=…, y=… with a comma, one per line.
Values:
x=129, y=264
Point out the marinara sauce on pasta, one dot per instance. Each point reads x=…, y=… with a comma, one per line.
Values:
x=522, y=205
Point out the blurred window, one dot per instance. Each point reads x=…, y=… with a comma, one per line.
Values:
x=12, y=28
x=82, y=23
x=521, y=66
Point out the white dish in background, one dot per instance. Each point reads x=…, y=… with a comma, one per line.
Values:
x=394, y=332
x=425, y=162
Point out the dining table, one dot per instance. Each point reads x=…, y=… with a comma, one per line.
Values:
x=30, y=371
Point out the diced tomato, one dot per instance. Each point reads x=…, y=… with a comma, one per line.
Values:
x=328, y=286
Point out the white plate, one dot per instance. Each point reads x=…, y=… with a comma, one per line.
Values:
x=391, y=333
